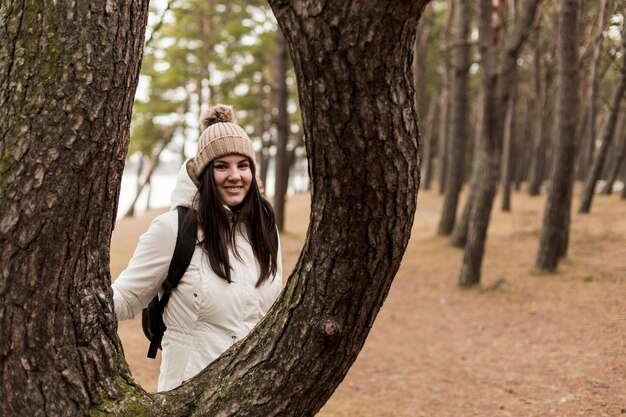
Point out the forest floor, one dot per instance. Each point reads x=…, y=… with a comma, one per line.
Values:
x=520, y=344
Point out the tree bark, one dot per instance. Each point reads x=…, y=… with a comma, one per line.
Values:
x=61, y=165
x=68, y=75
x=281, y=168
x=459, y=107
x=555, y=229
x=607, y=135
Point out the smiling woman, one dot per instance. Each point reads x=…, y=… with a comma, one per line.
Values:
x=235, y=272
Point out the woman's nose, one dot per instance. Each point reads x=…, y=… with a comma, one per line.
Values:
x=234, y=174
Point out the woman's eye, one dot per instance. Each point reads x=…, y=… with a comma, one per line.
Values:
x=220, y=167
x=244, y=165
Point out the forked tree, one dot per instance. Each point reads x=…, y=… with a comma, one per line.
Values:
x=68, y=74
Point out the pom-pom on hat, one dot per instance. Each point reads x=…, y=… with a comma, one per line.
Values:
x=220, y=136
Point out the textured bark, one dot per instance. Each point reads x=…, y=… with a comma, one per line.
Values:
x=497, y=73
x=459, y=108
x=281, y=174
x=68, y=73
x=61, y=164
x=555, y=228
x=607, y=135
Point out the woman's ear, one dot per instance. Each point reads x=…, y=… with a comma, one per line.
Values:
x=192, y=172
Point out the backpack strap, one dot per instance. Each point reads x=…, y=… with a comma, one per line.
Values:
x=183, y=252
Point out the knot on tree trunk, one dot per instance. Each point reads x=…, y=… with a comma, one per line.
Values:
x=330, y=328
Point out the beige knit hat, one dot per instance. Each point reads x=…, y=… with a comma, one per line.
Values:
x=220, y=136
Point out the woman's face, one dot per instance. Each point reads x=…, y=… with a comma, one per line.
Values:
x=233, y=176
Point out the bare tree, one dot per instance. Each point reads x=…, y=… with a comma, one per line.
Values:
x=459, y=108
x=607, y=133
x=444, y=100
x=497, y=65
x=589, y=110
x=555, y=229
x=619, y=157
x=64, y=131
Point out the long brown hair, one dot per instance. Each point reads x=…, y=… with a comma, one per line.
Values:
x=255, y=214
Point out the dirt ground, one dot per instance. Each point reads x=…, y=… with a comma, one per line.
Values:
x=521, y=344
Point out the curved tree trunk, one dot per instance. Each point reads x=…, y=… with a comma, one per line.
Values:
x=555, y=229
x=459, y=108
x=61, y=166
x=66, y=95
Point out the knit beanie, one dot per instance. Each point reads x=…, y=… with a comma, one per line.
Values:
x=220, y=136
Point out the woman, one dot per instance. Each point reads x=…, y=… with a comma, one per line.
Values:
x=235, y=273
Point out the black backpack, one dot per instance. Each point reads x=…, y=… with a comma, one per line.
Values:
x=152, y=316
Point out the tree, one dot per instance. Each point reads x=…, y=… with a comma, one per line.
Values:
x=607, y=133
x=497, y=70
x=555, y=228
x=459, y=108
x=68, y=75
x=61, y=164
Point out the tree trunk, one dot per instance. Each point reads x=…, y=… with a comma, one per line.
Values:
x=507, y=154
x=555, y=229
x=534, y=180
x=61, y=166
x=586, y=156
x=521, y=142
x=444, y=102
x=607, y=135
x=620, y=156
x=496, y=79
x=459, y=107
x=281, y=168
x=427, y=145
x=67, y=81
x=623, y=195
x=458, y=238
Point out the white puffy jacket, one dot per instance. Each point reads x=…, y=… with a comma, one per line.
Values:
x=205, y=314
